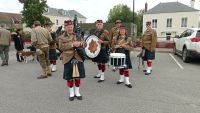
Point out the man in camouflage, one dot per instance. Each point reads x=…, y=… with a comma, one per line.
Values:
x=149, y=41
x=52, y=47
x=5, y=39
x=114, y=32
x=40, y=38
x=102, y=57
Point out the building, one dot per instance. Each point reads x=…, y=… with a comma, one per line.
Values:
x=11, y=20
x=172, y=18
x=58, y=16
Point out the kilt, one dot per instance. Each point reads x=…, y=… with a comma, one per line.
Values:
x=68, y=70
x=128, y=59
x=148, y=55
x=102, y=57
x=53, y=54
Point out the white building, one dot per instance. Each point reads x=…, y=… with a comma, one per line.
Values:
x=172, y=18
x=58, y=16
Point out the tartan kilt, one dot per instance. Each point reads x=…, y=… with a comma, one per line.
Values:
x=102, y=57
x=148, y=55
x=53, y=54
x=68, y=70
x=128, y=59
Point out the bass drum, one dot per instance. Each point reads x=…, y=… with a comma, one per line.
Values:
x=93, y=47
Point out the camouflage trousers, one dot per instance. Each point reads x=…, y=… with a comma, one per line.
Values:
x=43, y=57
x=4, y=49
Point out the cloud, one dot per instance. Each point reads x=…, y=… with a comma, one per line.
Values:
x=91, y=9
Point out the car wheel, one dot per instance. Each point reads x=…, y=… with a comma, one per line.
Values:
x=185, y=57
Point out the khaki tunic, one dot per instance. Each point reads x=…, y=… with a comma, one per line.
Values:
x=40, y=37
x=126, y=44
x=66, y=45
x=113, y=33
x=149, y=40
x=104, y=36
x=5, y=37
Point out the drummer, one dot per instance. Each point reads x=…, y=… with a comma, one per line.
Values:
x=102, y=57
x=123, y=44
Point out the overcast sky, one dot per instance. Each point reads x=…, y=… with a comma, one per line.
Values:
x=91, y=9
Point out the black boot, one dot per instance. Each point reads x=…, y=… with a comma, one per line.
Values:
x=17, y=55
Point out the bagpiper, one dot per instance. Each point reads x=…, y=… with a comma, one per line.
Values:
x=73, y=63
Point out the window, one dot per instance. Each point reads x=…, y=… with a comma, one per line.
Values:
x=184, y=22
x=169, y=22
x=187, y=33
x=198, y=34
x=56, y=21
x=154, y=25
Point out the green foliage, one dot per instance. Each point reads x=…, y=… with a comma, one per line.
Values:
x=121, y=12
x=124, y=13
x=26, y=35
x=33, y=10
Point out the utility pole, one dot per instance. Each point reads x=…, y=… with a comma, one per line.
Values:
x=133, y=10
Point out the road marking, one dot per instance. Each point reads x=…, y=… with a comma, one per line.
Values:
x=176, y=61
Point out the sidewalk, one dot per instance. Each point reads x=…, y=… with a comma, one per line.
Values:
x=159, y=50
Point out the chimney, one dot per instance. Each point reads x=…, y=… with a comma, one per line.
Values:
x=146, y=7
x=192, y=3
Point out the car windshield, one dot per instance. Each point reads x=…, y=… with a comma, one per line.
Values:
x=198, y=34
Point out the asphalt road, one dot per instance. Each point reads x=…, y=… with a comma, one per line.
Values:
x=171, y=88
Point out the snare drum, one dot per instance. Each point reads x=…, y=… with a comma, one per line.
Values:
x=117, y=60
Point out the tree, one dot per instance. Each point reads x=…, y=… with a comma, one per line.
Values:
x=124, y=13
x=140, y=21
x=33, y=10
x=121, y=12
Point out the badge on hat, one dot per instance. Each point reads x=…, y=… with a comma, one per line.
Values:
x=99, y=21
x=148, y=23
x=68, y=22
x=122, y=27
x=118, y=21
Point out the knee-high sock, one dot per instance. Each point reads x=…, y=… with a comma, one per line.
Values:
x=121, y=73
x=70, y=83
x=99, y=66
x=53, y=62
x=103, y=67
x=149, y=66
x=77, y=82
x=126, y=74
x=77, y=85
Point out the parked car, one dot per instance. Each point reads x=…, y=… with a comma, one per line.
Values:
x=188, y=44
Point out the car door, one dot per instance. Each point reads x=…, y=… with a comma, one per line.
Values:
x=178, y=42
x=184, y=38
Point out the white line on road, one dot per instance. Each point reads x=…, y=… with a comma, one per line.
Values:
x=176, y=61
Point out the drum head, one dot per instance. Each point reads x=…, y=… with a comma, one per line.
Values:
x=93, y=47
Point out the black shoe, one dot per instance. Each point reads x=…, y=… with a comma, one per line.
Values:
x=42, y=77
x=146, y=70
x=71, y=98
x=79, y=97
x=99, y=81
x=96, y=77
x=129, y=85
x=3, y=63
x=49, y=74
x=147, y=73
x=118, y=82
